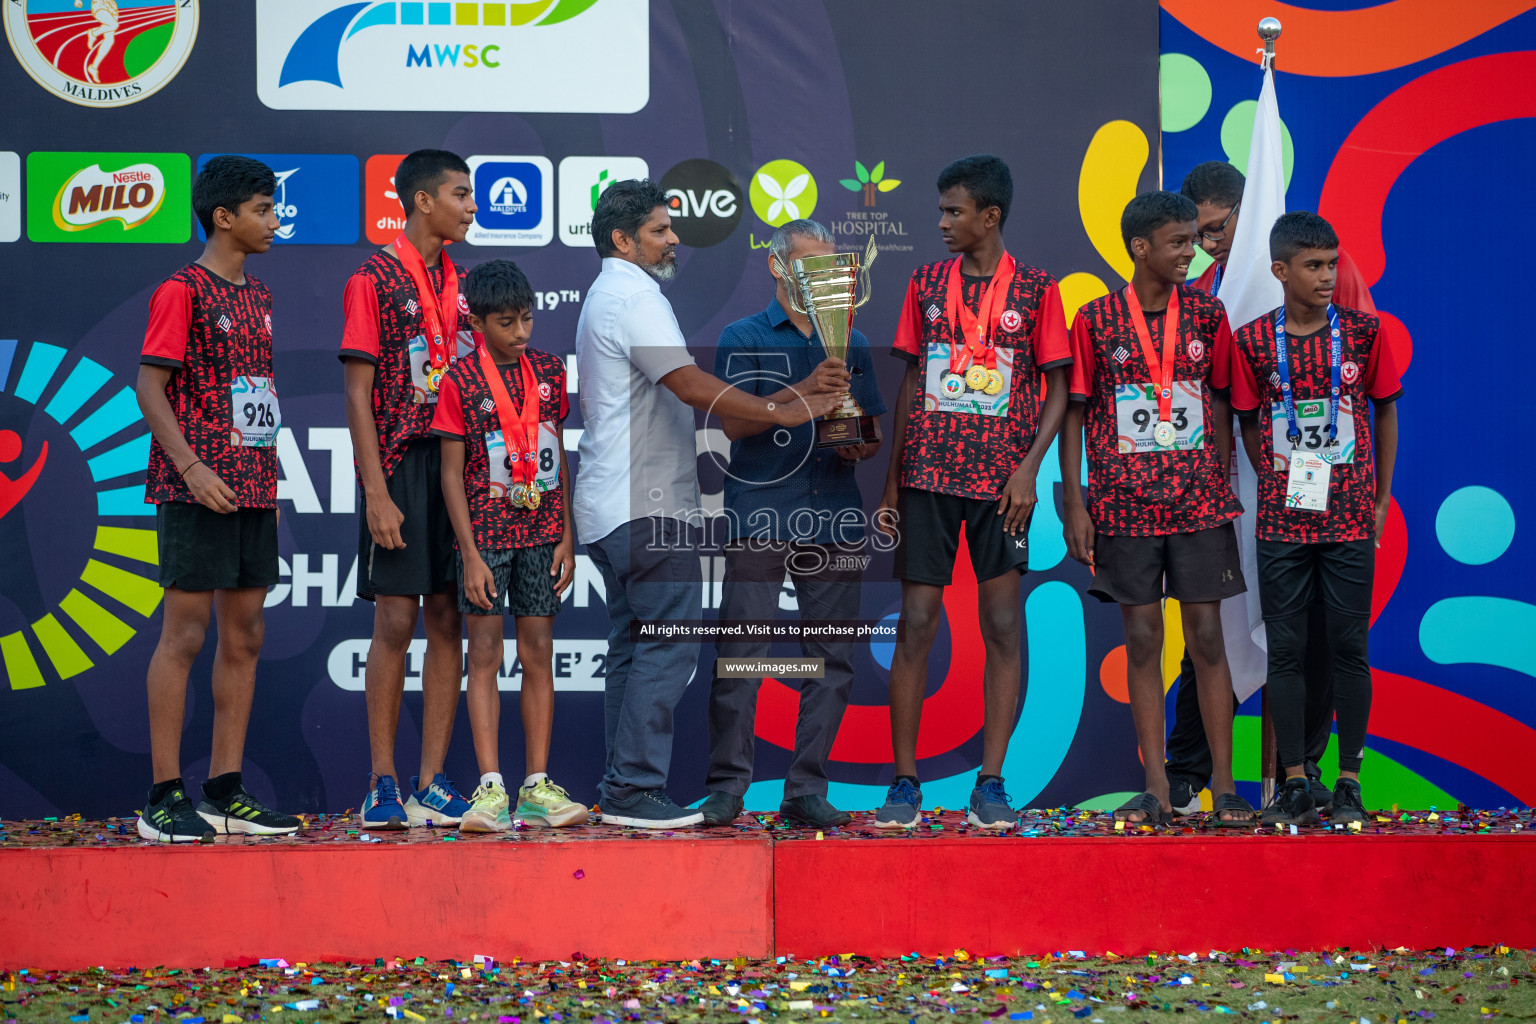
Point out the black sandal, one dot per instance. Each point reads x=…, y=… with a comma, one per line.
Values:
x=1148, y=805
x=1235, y=804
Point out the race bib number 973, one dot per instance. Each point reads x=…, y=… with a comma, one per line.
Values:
x=1136, y=417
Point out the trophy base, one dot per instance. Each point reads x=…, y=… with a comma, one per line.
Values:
x=847, y=430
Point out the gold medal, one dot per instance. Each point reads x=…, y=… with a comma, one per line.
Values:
x=519, y=496
x=976, y=378
x=533, y=498
x=994, y=382
x=434, y=378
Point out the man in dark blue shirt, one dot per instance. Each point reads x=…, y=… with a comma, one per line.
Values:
x=791, y=509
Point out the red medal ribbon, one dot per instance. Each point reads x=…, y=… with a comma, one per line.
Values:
x=441, y=313
x=1160, y=369
x=974, y=333
x=523, y=441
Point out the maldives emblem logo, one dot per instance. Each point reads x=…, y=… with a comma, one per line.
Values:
x=1011, y=320
x=101, y=53
x=1349, y=371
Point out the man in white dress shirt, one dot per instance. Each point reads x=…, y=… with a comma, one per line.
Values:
x=637, y=487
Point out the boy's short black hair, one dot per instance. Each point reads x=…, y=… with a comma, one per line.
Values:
x=1298, y=230
x=624, y=206
x=228, y=181
x=423, y=171
x=1150, y=211
x=1216, y=182
x=497, y=286
x=985, y=178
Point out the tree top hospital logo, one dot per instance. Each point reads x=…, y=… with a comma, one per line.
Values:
x=101, y=53
x=76, y=587
x=528, y=57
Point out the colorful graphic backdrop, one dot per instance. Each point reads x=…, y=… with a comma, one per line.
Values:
x=1385, y=136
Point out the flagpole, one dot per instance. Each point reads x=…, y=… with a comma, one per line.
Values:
x=1269, y=754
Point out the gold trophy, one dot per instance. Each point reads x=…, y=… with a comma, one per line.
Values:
x=823, y=287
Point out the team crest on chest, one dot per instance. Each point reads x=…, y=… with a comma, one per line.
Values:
x=1195, y=348
x=463, y=304
x=1121, y=355
x=544, y=391
x=225, y=323
x=411, y=307
x=1274, y=379
x=1010, y=321
x=268, y=318
x=487, y=405
x=934, y=312
x=1349, y=371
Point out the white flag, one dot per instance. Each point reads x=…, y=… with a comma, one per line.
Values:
x=1249, y=290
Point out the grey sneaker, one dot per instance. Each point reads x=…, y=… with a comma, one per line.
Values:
x=813, y=811
x=650, y=808
x=720, y=808
x=990, y=807
x=902, y=807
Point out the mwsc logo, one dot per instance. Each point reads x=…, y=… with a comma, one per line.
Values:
x=532, y=56
x=75, y=586
x=101, y=53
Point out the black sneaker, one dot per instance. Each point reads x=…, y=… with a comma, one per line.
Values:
x=1292, y=805
x=813, y=811
x=1322, y=796
x=1347, y=804
x=720, y=808
x=1184, y=797
x=241, y=813
x=650, y=808
x=171, y=819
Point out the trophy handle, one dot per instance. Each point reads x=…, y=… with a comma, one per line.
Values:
x=870, y=251
x=791, y=286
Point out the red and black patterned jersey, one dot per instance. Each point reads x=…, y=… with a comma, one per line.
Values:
x=1149, y=494
x=968, y=454
x=210, y=333
x=467, y=412
x=1368, y=373
x=383, y=323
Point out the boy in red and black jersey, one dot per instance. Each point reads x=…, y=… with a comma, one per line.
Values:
x=1149, y=381
x=500, y=420
x=405, y=323
x=1324, y=467
x=205, y=387
x=977, y=333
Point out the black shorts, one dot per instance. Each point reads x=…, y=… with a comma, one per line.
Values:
x=1190, y=567
x=523, y=583
x=425, y=564
x=201, y=549
x=1293, y=576
x=929, y=525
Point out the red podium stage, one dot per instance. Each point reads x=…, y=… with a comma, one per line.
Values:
x=77, y=894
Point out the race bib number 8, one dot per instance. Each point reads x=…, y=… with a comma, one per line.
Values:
x=254, y=412
x=1136, y=417
x=420, y=359
x=1312, y=421
x=546, y=460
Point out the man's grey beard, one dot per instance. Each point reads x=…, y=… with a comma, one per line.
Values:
x=663, y=269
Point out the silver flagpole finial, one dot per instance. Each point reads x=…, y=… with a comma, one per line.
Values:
x=1269, y=31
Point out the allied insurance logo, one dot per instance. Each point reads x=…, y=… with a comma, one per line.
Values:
x=534, y=56
x=515, y=200
x=109, y=197
x=80, y=586
x=101, y=53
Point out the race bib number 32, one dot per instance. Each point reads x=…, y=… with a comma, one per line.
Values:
x=1136, y=417
x=1312, y=421
x=254, y=412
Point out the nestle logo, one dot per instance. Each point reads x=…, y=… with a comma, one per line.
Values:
x=129, y=177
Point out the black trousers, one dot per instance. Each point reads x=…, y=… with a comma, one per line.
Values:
x=1189, y=756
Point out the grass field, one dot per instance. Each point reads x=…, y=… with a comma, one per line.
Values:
x=1375, y=988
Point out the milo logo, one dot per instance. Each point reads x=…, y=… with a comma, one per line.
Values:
x=1311, y=409
x=93, y=196
x=109, y=197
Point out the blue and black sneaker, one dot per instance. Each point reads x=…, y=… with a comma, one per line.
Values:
x=382, y=808
x=438, y=804
x=990, y=807
x=903, y=805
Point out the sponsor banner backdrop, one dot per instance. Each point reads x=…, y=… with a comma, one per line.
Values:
x=749, y=114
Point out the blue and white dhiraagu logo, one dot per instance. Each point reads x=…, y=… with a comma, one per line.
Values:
x=515, y=196
x=317, y=197
x=529, y=57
